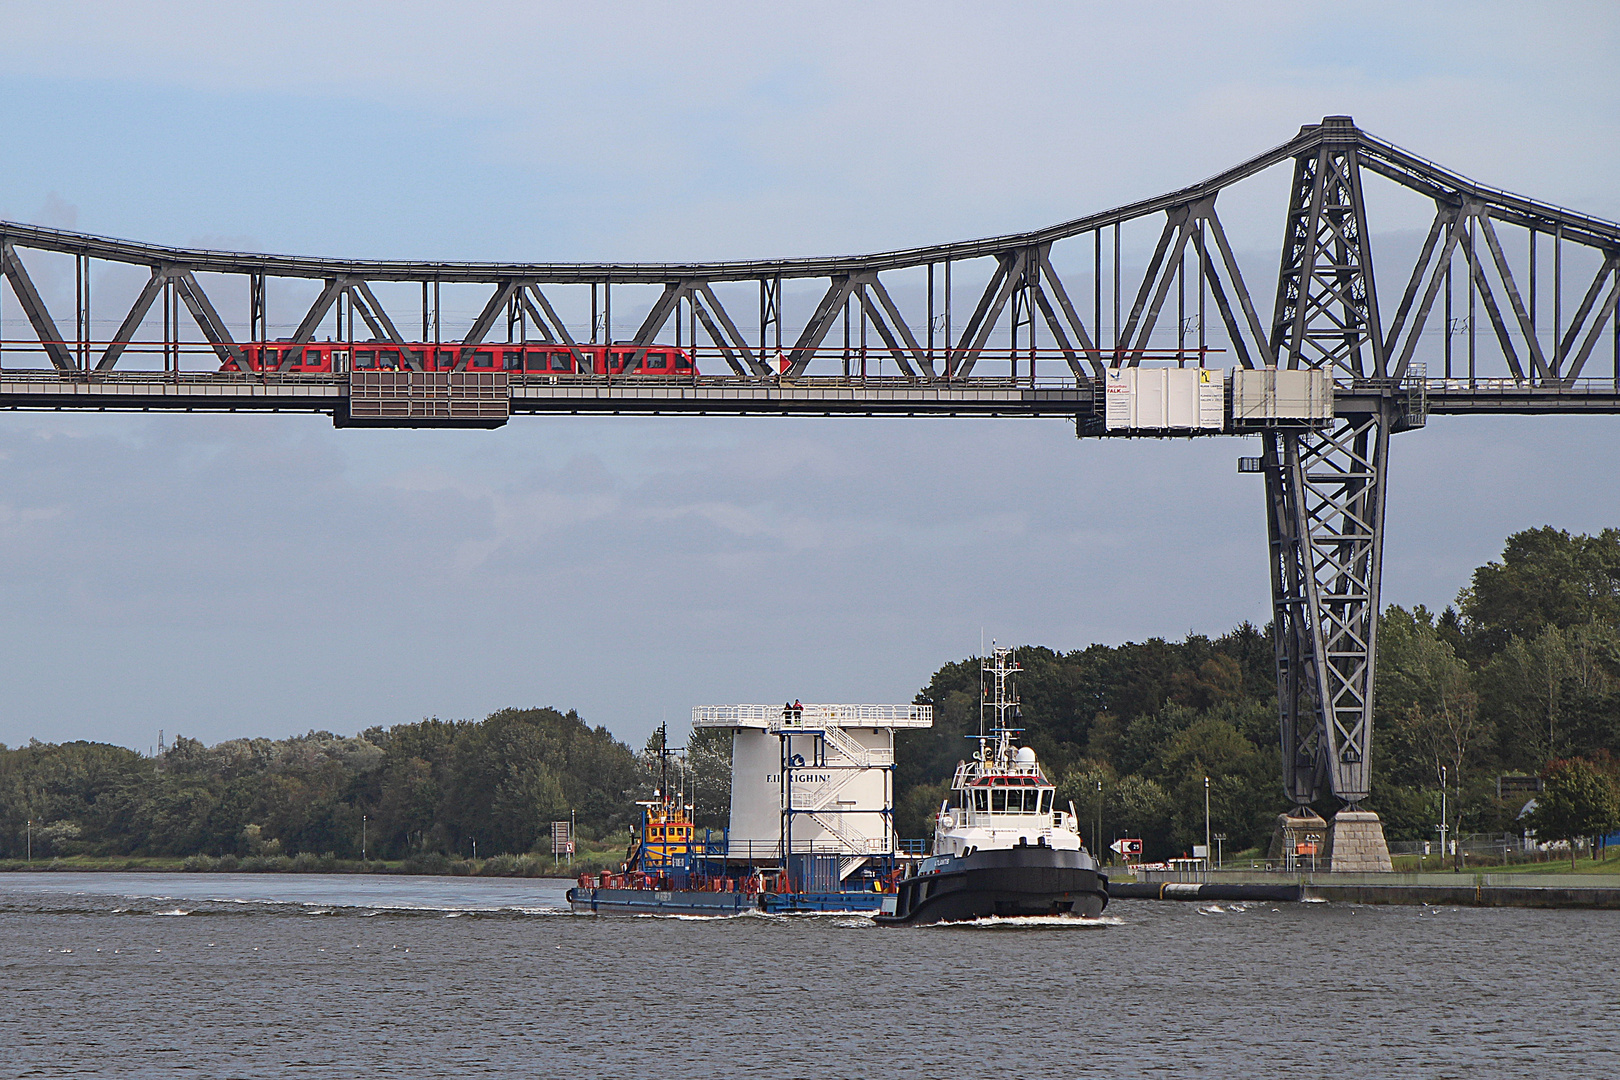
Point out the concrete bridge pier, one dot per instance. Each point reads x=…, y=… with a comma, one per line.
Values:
x=1355, y=844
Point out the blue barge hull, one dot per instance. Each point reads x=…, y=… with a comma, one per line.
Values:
x=683, y=902
x=861, y=903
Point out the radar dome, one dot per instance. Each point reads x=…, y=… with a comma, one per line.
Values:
x=1025, y=756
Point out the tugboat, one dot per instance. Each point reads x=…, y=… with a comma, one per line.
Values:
x=1000, y=849
x=664, y=871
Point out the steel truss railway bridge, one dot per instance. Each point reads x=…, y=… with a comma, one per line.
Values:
x=1469, y=334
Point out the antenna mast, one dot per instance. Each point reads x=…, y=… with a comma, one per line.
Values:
x=999, y=695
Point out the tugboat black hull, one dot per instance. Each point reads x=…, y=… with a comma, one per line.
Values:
x=1002, y=882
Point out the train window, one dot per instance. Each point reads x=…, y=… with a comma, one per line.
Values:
x=483, y=359
x=365, y=358
x=657, y=360
x=512, y=360
x=388, y=358
x=447, y=359
x=312, y=358
x=561, y=361
x=535, y=361
x=271, y=356
x=681, y=361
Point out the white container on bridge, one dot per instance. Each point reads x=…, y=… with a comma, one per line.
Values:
x=1165, y=399
x=1264, y=396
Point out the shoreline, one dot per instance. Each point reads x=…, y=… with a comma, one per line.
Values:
x=375, y=867
x=1479, y=888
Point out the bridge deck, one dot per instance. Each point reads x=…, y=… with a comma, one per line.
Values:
x=812, y=396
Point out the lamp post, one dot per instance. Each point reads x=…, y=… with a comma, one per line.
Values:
x=30, y=839
x=1220, y=848
x=362, y=838
x=1442, y=815
x=1096, y=837
x=1206, y=820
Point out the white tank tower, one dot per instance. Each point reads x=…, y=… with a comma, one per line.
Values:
x=812, y=779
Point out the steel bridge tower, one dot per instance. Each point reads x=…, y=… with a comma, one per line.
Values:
x=1325, y=488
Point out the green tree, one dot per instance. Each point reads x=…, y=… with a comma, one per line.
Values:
x=1085, y=785
x=1546, y=578
x=1143, y=810
x=1428, y=705
x=708, y=759
x=1576, y=801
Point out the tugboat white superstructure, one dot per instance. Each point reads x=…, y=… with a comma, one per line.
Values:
x=1000, y=847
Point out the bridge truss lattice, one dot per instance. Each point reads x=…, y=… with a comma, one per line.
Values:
x=1026, y=307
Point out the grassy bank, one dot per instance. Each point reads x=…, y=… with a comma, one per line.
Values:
x=1409, y=864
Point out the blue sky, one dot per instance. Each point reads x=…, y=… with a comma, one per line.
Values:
x=224, y=576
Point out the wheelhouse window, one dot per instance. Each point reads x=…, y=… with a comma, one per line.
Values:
x=1016, y=800
x=1046, y=801
x=981, y=800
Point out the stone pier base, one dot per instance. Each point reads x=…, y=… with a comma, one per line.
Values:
x=1355, y=844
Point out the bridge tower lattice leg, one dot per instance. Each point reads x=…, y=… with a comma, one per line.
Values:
x=1325, y=487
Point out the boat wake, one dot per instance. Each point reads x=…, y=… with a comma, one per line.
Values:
x=1030, y=922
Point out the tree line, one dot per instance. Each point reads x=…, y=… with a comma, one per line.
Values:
x=435, y=787
x=1520, y=677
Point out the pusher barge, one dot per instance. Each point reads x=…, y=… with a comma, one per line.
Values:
x=811, y=825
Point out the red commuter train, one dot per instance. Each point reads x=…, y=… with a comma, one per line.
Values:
x=516, y=358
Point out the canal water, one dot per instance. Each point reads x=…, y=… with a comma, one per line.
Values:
x=219, y=975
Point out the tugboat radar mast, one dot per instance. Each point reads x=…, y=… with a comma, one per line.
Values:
x=998, y=703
